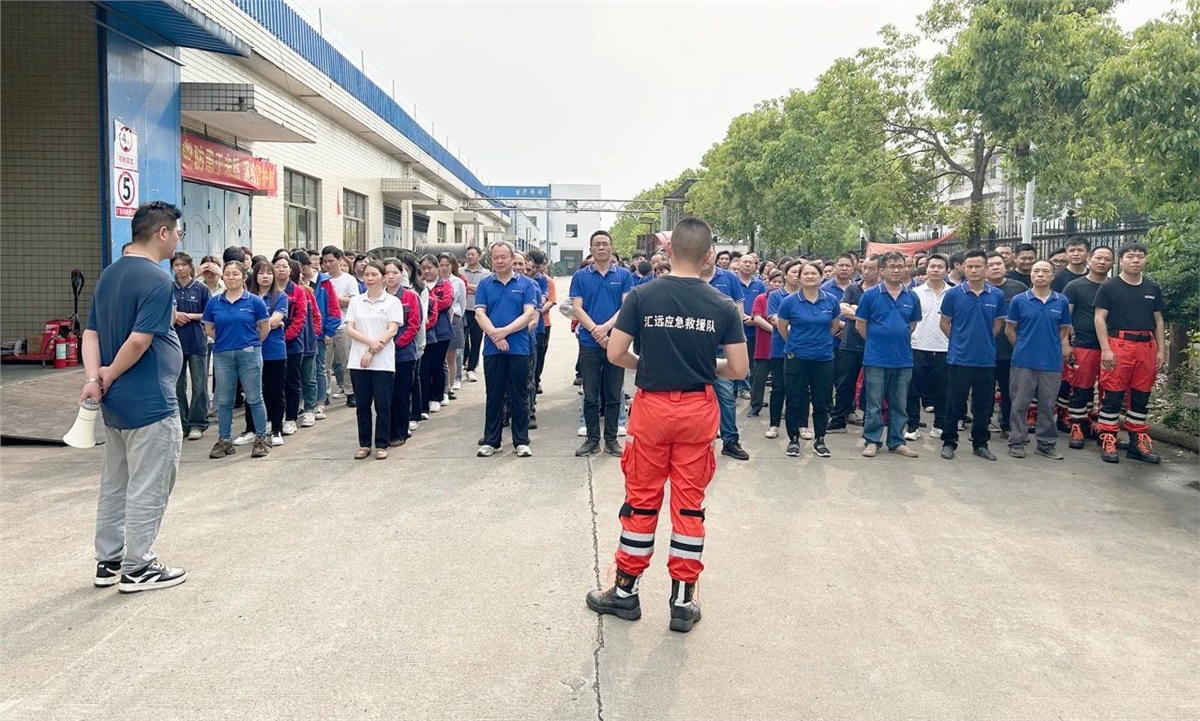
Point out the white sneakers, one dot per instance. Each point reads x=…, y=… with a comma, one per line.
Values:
x=413, y=425
x=308, y=419
x=620, y=430
x=434, y=406
x=289, y=427
x=244, y=440
x=276, y=439
x=806, y=433
x=319, y=414
x=935, y=432
x=485, y=451
x=471, y=376
x=772, y=432
x=456, y=385
x=582, y=432
x=195, y=434
x=913, y=435
x=523, y=451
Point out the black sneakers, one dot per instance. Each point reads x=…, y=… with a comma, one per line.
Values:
x=821, y=449
x=793, y=448
x=589, y=447
x=108, y=573
x=1142, y=449
x=613, y=448
x=621, y=600
x=685, y=610
x=735, y=450
x=151, y=577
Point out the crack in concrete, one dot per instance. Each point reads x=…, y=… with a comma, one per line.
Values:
x=596, y=570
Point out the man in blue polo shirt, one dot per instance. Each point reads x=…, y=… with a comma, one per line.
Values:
x=730, y=286
x=886, y=316
x=752, y=287
x=132, y=357
x=191, y=297
x=505, y=305
x=1038, y=323
x=972, y=314
x=597, y=292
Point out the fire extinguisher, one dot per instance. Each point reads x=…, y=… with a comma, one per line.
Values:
x=60, y=352
x=72, y=349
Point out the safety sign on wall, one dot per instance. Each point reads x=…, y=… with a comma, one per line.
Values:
x=125, y=170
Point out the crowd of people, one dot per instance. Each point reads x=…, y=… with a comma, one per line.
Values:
x=868, y=342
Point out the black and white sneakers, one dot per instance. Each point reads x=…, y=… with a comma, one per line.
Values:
x=108, y=573
x=149, y=578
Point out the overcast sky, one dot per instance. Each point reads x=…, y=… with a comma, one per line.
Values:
x=624, y=94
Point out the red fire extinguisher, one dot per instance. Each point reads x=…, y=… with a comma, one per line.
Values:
x=60, y=352
x=72, y=349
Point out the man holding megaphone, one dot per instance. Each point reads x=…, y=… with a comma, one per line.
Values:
x=132, y=357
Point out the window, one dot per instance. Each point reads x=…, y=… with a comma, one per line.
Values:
x=354, y=221
x=300, y=210
x=441, y=232
x=458, y=235
x=572, y=231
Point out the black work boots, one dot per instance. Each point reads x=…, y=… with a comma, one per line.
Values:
x=685, y=610
x=622, y=601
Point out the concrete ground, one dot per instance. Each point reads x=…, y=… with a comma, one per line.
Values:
x=440, y=585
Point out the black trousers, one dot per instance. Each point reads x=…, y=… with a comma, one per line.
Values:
x=433, y=371
x=848, y=364
x=472, y=341
x=1003, y=379
x=418, y=405
x=758, y=386
x=295, y=386
x=373, y=388
x=543, y=344
x=506, y=377
x=928, y=381
x=778, y=392
x=273, y=396
x=808, y=381
x=600, y=376
x=980, y=384
x=402, y=387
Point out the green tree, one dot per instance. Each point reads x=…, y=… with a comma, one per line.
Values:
x=629, y=226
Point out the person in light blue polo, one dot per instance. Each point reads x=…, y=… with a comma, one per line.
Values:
x=886, y=316
x=1037, y=325
x=972, y=313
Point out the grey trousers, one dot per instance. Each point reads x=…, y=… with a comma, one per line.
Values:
x=1026, y=384
x=140, y=466
x=338, y=360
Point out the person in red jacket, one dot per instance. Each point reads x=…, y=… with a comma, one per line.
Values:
x=439, y=332
x=298, y=311
x=311, y=337
x=394, y=274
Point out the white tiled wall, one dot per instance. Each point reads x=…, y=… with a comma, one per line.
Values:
x=50, y=174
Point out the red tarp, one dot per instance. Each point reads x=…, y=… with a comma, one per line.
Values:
x=910, y=247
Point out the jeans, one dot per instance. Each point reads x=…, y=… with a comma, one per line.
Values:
x=808, y=381
x=623, y=421
x=890, y=384
x=727, y=402
x=472, y=340
x=322, y=374
x=230, y=368
x=139, y=471
x=1028, y=385
x=928, y=381
x=506, y=376
x=308, y=379
x=402, y=387
x=847, y=366
x=373, y=388
x=598, y=374
x=981, y=384
x=274, y=373
x=193, y=411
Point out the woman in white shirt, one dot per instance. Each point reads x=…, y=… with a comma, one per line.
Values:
x=372, y=320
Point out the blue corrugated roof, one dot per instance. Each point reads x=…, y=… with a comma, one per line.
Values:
x=180, y=24
x=286, y=24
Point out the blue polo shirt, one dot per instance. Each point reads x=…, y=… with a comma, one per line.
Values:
x=728, y=283
x=237, y=322
x=504, y=303
x=191, y=298
x=808, y=325
x=889, y=333
x=774, y=300
x=1039, y=346
x=275, y=345
x=750, y=292
x=831, y=287
x=543, y=284
x=601, y=295
x=971, y=340
x=644, y=279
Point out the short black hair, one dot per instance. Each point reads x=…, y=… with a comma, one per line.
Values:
x=957, y=258
x=639, y=253
x=1023, y=247
x=1079, y=240
x=149, y=217
x=691, y=239
x=1055, y=252
x=938, y=256
x=475, y=248
x=973, y=253
x=333, y=250
x=233, y=253
x=182, y=256
x=644, y=267
x=734, y=255
x=994, y=254
x=723, y=252
x=596, y=233
x=1132, y=248
x=301, y=256
x=536, y=256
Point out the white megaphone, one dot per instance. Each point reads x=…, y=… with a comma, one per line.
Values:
x=83, y=432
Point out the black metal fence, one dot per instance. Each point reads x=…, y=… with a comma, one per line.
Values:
x=1051, y=234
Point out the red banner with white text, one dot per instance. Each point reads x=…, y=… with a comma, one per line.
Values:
x=910, y=247
x=217, y=164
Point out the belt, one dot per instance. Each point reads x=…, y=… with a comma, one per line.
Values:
x=1135, y=336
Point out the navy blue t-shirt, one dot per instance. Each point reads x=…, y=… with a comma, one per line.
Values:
x=136, y=295
x=889, y=333
x=808, y=325
x=774, y=300
x=851, y=340
x=1039, y=345
x=729, y=284
x=750, y=292
x=275, y=344
x=972, y=318
x=504, y=303
x=601, y=294
x=191, y=298
x=236, y=323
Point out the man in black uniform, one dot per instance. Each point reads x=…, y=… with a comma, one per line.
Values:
x=679, y=321
x=1024, y=259
x=1085, y=346
x=1076, y=267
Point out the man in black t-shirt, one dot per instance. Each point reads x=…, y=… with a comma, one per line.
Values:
x=679, y=322
x=1023, y=260
x=1004, y=348
x=1081, y=295
x=1076, y=254
x=1129, y=326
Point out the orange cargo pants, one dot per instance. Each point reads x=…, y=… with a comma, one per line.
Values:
x=670, y=437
